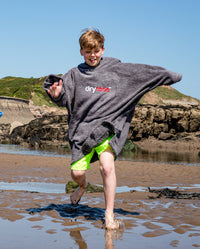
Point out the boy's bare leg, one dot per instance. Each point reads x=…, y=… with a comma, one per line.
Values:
x=79, y=177
x=107, y=169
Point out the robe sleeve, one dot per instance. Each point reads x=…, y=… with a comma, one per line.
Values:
x=144, y=78
x=65, y=99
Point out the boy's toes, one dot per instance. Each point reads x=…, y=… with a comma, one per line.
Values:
x=75, y=202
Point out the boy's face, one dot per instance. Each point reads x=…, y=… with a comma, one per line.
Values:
x=92, y=56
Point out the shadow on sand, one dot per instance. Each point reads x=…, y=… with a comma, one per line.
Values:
x=72, y=211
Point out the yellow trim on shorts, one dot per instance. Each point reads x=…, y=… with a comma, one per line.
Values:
x=84, y=162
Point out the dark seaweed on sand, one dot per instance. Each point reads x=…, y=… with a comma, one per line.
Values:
x=174, y=194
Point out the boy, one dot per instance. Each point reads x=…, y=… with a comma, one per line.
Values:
x=100, y=95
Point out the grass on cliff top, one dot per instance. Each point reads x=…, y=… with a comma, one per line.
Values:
x=25, y=88
x=166, y=93
x=163, y=93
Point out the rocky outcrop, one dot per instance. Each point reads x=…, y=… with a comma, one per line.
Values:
x=49, y=130
x=164, y=122
x=4, y=131
x=161, y=122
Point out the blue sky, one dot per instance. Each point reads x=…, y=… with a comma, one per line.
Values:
x=39, y=37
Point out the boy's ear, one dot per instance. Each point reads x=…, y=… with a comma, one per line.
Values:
x=81, y=51
x=103, y=50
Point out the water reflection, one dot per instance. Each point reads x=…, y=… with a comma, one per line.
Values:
x=186, y=157
x=76, y=235
x=89, y=213
x=110, y=236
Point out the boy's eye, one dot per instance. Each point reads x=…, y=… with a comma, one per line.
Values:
x=90, y=52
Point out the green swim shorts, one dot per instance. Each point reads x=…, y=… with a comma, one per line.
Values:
x=84, y=162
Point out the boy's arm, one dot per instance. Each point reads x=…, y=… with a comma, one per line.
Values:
x=147, y=77
x=144, y=78
x=53, y=85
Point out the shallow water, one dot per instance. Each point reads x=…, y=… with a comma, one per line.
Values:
x=54, y=188
x=39, y=236
x=17, y=149
x=176, y=157
x=65, y=226
x=57, y=188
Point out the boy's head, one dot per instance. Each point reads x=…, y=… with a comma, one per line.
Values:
x=92, y=46
x=91, y=39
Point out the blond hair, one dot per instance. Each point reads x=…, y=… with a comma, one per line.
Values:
x=91, y=39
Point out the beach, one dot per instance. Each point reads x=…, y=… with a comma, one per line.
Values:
x=36, y=212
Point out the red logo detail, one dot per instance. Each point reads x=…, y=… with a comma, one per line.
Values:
x=102, y=89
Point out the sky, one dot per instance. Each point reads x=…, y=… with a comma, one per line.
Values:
x=40, y=37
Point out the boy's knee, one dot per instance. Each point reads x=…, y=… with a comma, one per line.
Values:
x=77, y=174
x=107, y=169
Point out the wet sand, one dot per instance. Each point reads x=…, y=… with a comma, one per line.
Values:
x=41, y=219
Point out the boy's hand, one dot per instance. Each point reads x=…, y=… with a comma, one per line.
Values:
x=55, y=89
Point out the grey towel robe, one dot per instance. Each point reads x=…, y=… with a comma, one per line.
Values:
x=101, y=100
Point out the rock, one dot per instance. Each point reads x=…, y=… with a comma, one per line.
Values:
x=51, y=130
x=160, y=122
x=165, y=136
x=194, y=122
x=14, y=125
x=4, y=132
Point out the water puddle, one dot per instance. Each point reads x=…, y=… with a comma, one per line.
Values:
x=17, y=149
x=187, y=158
x=41, y=187
x=56, y=188
x=50, y=188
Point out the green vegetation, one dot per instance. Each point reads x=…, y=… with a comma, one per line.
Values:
x=25, y=88
x=166, y=93
x=163, y=93
x=130, y=146
x=71, y=187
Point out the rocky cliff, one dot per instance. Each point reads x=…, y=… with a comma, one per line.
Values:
x=16, y=112
x=160, y=122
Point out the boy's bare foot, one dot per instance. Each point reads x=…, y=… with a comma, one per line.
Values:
x=112, y=223
x=75, y=197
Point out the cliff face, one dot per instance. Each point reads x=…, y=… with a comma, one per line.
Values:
x=161, y=122
x=15, y=110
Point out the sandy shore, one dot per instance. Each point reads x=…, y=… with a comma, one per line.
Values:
x=41, y=219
